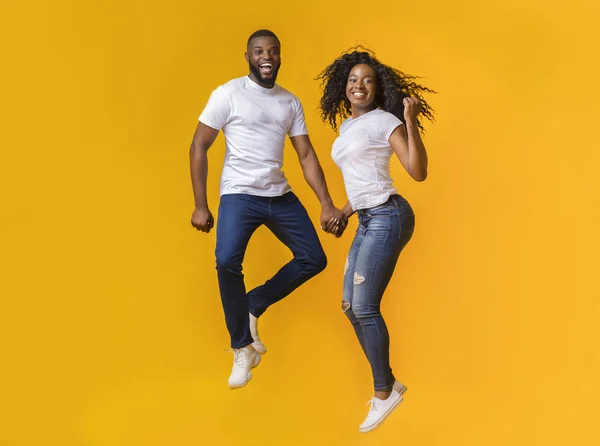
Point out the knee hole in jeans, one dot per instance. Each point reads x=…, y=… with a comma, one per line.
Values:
x=358, y=279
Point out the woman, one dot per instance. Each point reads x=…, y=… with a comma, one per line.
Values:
x=383, y=107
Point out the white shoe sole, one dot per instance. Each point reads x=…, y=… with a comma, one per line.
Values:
x=401, y=389
x=257, y=361
x=258, y=345
x=239, y=386
x=379, y=422
x=260, y=348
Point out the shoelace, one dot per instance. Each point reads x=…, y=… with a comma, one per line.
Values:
x=239, y=358
x=373, y=402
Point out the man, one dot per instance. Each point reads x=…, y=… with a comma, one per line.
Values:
x=255, y=115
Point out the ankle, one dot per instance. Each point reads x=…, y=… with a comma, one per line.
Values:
x=382, y=394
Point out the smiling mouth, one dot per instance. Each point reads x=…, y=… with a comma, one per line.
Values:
x=266, y=68
x=359, y=95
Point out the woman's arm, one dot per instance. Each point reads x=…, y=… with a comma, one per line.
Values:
x=407, y=143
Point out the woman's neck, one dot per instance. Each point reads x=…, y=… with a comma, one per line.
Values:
x=358, y=112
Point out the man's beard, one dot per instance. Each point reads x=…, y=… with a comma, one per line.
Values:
x=264, y=81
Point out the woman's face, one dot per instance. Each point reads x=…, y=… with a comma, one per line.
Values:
x=362, y=87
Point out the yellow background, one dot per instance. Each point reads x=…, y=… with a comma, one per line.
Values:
x=111, y=328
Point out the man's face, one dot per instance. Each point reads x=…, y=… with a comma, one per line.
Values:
x=264, y=60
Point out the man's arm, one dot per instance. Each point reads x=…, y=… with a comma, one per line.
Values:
x=204, y=137
x=313, y=173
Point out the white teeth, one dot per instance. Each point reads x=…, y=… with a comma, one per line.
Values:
x=359, y=95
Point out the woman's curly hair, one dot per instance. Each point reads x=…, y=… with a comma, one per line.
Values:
x=392, y=87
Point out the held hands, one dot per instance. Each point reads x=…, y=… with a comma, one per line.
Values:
x=202, y=219
x=333, y=221
x=412, y=108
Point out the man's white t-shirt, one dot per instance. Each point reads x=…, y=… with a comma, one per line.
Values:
x=363, y=152
x=255, y=121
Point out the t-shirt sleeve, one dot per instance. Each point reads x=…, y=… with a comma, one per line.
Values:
x=298, y=126
x=217, y=111
x=387, y=124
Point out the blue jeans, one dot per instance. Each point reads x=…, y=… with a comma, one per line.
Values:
x=239, y=216
x=382, y=233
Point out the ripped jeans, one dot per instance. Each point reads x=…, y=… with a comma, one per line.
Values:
x=382, y=233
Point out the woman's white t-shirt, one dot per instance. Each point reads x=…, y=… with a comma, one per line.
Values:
x=363, y=152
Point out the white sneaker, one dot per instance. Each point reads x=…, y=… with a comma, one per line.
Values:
x=257, y=344
x=380, y=409
x=400, y=388
x=244, y=359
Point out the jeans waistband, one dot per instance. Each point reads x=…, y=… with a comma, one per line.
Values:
x=395, y=200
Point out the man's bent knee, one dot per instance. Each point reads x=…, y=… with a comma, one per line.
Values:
x=316, y=264
x=229, y=264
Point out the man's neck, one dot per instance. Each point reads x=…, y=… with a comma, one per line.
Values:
x=257, y=82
